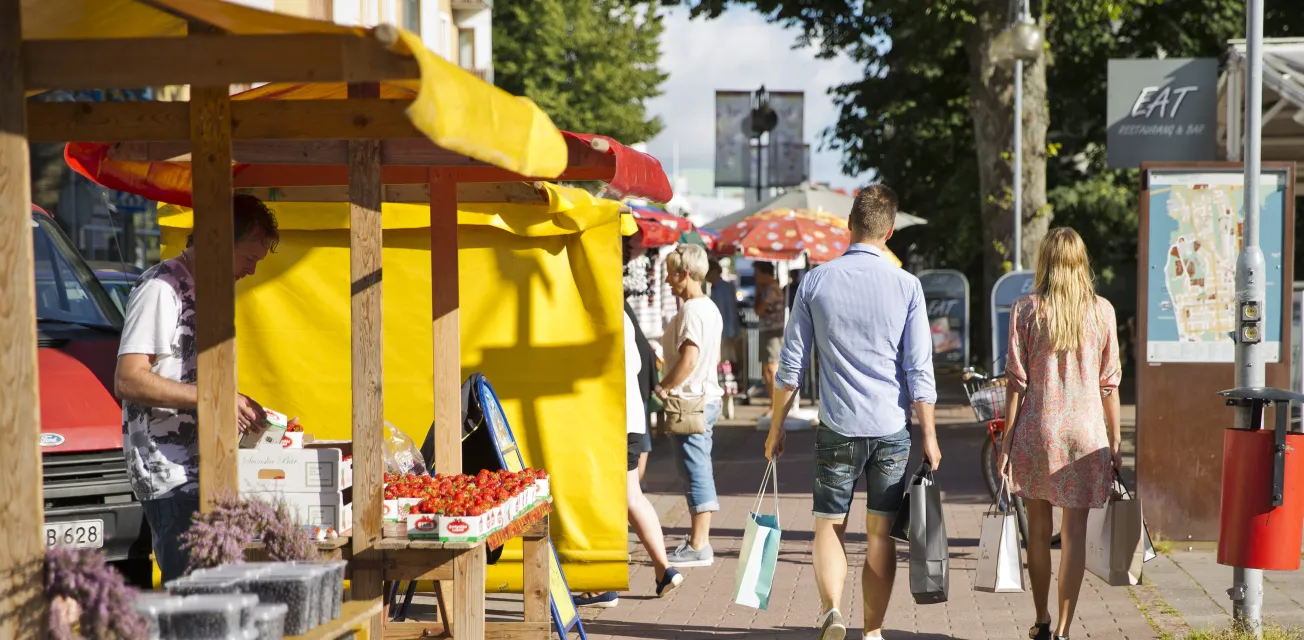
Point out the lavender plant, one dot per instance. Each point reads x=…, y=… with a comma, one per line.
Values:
x=82, y=577
x=219, y=536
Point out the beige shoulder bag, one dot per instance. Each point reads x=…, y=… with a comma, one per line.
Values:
x=686, y=416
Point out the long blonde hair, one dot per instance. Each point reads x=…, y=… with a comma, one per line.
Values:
x=1066, y=289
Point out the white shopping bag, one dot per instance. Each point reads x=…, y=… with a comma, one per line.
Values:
x=1117, y=541
x=1000, y=561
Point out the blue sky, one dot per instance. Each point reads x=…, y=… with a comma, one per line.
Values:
x=740, y=51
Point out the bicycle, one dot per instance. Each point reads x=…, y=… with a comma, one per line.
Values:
x=987, y=399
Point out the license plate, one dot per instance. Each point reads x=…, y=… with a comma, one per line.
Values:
x=77, y=534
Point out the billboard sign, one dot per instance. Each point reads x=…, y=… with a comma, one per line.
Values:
x=1162, y=111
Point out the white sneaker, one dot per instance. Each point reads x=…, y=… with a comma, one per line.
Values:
x=831, y=626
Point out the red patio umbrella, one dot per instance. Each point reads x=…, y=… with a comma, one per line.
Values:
x=785, y=235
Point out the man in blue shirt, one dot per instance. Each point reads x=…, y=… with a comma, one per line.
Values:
x=868, y=319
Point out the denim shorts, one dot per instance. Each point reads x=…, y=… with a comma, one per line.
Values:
x=840, y=461
x=693, y=457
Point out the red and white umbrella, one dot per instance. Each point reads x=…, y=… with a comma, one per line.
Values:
x=786, y=235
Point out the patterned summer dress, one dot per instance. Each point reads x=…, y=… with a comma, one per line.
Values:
x=1060, y=451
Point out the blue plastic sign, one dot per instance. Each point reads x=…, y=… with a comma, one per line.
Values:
x=946, y=292
x=1010, y=287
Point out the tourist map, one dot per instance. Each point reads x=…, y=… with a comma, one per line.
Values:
x=1196, y=223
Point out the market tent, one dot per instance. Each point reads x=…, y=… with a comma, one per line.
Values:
x=810, y=198
x=536, y=318
x=1283, y=102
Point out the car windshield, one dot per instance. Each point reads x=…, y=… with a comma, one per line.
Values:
x=66, y=291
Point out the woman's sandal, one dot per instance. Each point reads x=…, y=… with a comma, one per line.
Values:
x=1040, y=631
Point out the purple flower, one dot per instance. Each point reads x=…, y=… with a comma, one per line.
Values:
x=219, y=536
x=105, y=601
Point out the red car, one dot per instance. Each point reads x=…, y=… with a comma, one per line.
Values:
x=88, y=498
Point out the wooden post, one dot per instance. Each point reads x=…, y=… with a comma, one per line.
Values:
x=367, y=331
x=21, y=513
x=448, y=361
x=469, y=574
x=219, y=439
x=447, y=340
x=534, y=558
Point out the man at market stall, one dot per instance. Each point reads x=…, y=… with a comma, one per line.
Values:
x=156, y=380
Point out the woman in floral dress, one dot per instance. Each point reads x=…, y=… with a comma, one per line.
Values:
x=1061, y=449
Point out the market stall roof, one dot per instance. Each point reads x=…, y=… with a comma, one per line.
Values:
x=1283, y=101
x=71, y=44
x=159, y=171
x=806, y=197
x=659, y=227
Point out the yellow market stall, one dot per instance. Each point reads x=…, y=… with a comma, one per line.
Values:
x=449, y=128
x=540, y=316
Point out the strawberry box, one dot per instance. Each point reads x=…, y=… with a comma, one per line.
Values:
x=399, y=509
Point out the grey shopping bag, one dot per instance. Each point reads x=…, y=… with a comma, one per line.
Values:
x=1117, y=541
x=760, y=553
x=926, y=529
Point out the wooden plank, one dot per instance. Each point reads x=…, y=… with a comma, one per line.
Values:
x=311, y=175
x=413, y=151
x=353, y=616
x=21, y=510
x=210, y=118
x=355, y=119
x=492, y=631
x=367, y=331
x=210, y=60
x=420, y=565
x=447, y=339
x=511, y=192
x=469, y=571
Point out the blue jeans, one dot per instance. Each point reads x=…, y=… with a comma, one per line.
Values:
x=169, y=518
x=693, y=455
x=840, y=461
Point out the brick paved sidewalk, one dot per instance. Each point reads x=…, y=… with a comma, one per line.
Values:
x=703, y=606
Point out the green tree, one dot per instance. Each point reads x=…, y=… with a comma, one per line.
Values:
x=590, y=64
x=933, y=114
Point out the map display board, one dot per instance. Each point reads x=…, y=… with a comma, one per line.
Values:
x=1010, y=287
x=1195, y=226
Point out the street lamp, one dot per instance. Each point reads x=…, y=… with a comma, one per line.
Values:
x=763, y=120
x=1022, y=41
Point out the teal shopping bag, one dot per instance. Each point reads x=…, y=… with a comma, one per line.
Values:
x=760, y=553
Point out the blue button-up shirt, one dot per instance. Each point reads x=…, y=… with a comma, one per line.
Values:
x=868, y=319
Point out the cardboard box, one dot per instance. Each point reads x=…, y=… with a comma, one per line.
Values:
x=267, y=434
x=294, y=470
x=325, y=509
x=398, y=510
x=292, y=440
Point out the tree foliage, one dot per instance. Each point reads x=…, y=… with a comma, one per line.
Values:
x=911, y=118
x=590, y=64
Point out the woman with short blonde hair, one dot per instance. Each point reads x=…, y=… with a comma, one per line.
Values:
x=1061, y=405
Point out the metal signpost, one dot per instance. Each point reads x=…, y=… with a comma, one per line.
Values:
x=1251, y=299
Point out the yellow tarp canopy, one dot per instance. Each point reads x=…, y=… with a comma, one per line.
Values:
x=455, y=109
x=541, y=304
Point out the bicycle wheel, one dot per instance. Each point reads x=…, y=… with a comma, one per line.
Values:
x=991, y=474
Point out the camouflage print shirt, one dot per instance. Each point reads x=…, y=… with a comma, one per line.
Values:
x=162, y=445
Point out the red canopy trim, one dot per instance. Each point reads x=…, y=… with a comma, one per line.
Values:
x=637, y=174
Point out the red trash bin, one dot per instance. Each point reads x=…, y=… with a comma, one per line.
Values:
x=1252, y=533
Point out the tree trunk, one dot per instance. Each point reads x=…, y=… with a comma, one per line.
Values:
x=991, y=88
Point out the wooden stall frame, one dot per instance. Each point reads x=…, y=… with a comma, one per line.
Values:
x=367, y=145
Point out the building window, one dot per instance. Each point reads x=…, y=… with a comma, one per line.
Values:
x=466, y=48
x=446, y=30
x=412, y=16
